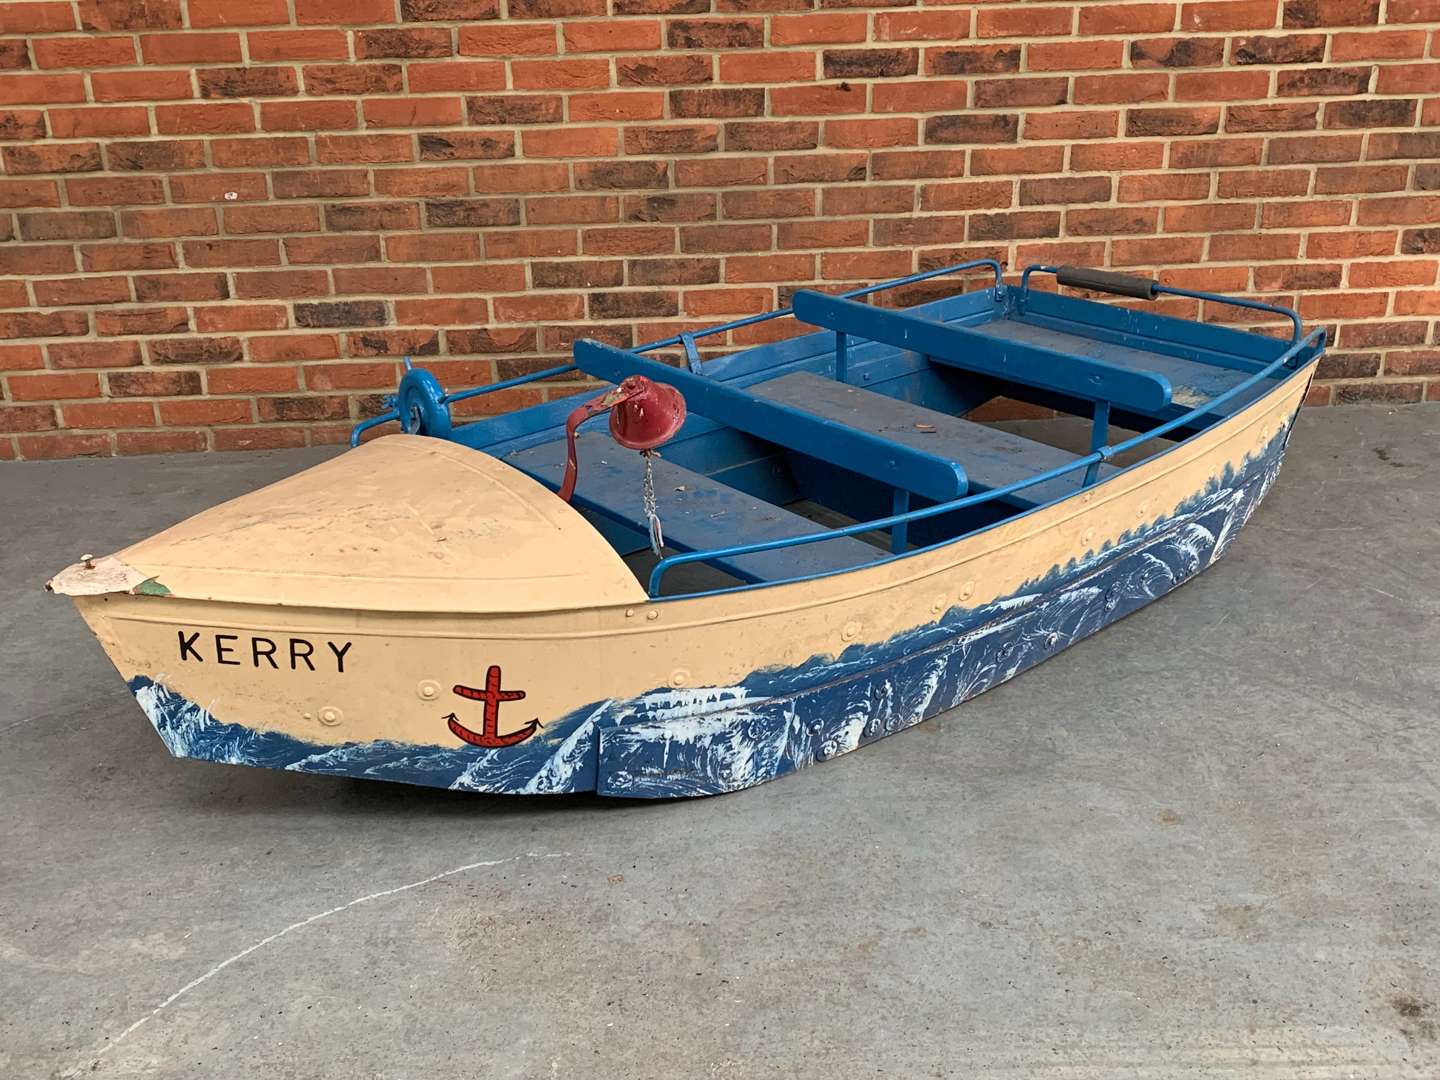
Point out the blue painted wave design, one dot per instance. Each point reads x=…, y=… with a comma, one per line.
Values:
x=670, y=742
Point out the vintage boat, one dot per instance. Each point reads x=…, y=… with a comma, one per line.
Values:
x=844, y=554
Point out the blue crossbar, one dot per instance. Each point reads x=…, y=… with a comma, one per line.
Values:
x=869, y=455
x=956, y=346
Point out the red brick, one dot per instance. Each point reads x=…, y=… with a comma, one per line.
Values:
x=1385, y=45
x=37, y=259
x=871, y=133
x=67, y=225
x=529, y=177
x=224, y=318
x=559, y=74
x=29, y=193
x=14, y=418
x=675, y=70
x=282, y=284
x=36, y=18
x=53, y=387
x=1030, y=159
x=921, y=25
x=413, y=112
x=1349, y=245
x=457, y=75
x=356, y=149
x=1228, y=15
x=1121, y=89
x=1391, y=273
x=323, y=250
x=83, y=52
x=767, y=67
x=42, y=447
x=926, y=96
x=132, y=321
x=88, y=291
x=25, y=124
x=1024, y=21
x=52, y=158
x=751, y=268
x=41, y=89
x=212, y=411
x=153, y=383
x=94, y=354
x=219, y=119
x=1104, y=19
x=101, y=257
x=1074, y=56
x=249, y=380
x=344, y=12
x=610, y=36
x=440, y=181
x=169, y=222
x=617, y=106
x=242, y=153
x=518, y=39
x=817, y=29
x=109, y=414
x=571, y=142
x=1222, y=86
x=352, y=79
x=191, y=48
x=249, y=438
x=1091, y=124
x=158, y=288
x=158, y=442
x=298, y=45
x=138, y=86
x=275, y=348
x=825, y=100
x=457, y=311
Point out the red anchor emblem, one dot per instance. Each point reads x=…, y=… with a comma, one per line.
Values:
x=489, y=735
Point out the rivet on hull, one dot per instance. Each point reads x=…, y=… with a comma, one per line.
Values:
x=330, y=716
x=428, y=690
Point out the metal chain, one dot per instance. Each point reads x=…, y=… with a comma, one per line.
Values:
x=647, y=495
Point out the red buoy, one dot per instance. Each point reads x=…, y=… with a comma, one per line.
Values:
x=643, y=415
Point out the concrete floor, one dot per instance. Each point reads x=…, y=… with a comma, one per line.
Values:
x=1202, y=843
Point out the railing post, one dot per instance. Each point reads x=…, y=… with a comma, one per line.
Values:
x=1099, y=436
x=900, y=531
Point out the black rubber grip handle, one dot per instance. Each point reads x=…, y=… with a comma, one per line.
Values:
x=1078, y=277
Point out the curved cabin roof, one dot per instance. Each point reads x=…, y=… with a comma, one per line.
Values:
x=404, y=523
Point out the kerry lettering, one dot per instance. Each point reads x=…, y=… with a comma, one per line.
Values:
x=255, y=650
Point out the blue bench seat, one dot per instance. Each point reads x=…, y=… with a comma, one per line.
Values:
x=991, y=458
x=696, y=512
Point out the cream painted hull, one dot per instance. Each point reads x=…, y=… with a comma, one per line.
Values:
x=693, y=695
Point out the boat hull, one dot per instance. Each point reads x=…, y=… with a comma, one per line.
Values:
x=691, y=696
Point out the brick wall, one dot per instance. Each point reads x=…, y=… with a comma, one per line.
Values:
x=224, y=220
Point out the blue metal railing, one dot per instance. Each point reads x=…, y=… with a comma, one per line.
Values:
x=780, y=313
x=1288, y=358
x=1172, y=290
x=686, y=340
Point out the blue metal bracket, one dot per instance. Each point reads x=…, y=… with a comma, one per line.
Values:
x=692, y=354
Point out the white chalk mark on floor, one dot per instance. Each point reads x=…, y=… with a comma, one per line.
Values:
x=193, y=983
